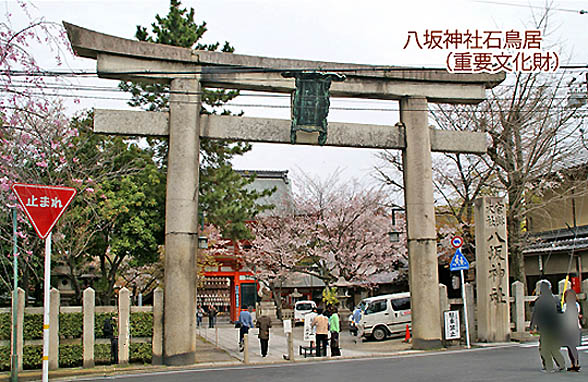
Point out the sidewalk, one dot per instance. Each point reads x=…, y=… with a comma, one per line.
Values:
x=228, y=339
x=206, y=354
x=227, y=353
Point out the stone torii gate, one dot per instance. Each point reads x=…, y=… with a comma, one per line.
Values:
x=188, y=71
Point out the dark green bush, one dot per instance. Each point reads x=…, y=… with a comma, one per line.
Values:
x=33, y=326
x=70, y=355
x=141, y=324
x=140, y=353
x=70, y=325
x=32, y=357
x=4, y=358
x=102, y=354
x=5, y=325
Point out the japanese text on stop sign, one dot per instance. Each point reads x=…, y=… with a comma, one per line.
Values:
x=43, y=201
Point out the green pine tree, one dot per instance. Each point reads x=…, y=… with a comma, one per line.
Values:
x=222, y=194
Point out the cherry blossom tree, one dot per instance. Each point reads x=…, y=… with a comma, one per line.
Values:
x=335, y=232
x=34, y=132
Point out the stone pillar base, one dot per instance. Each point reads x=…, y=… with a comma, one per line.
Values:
x=419, y=344
x=180, y=359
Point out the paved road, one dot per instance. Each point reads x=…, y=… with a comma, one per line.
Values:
x=509, y=363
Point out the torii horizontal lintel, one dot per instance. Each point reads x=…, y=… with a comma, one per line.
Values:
x=269, y=130
x=364, y=81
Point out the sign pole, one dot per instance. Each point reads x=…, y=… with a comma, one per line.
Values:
x=14, y=373
x=46, y=308
x=465, y=309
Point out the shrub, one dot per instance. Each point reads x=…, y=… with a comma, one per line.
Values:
x=141, y=324
x=4, y=358
x=70, y=325
x=140, y=353
x=33, y=326
x=32, y=357
x=5, y=326
x=102, y=354
x=70, y=355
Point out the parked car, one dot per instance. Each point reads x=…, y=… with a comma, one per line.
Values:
x=302, y=308
x=385, y=315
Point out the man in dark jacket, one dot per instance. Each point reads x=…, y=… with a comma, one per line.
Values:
x=547, y=320
x=108, y=331
x=264, y=323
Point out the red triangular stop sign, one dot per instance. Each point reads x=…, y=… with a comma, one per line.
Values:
x=44, y=205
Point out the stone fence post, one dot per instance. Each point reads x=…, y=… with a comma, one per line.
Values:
x=443, y=306
x=88, y=311
x=124, y=332
x=54, y=297
x=20, y=308
x=469, y=299
x=157, y=339
x=518, y=292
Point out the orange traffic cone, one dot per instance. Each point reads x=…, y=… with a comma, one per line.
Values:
x=407, y=335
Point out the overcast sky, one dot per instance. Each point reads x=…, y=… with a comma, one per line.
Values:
x=370, y=32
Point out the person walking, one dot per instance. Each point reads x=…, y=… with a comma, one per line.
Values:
x=108, y=331
x=199, y=315
x=321, y=322
x=356, y=318
x=546, y=320
x=334, y=329
x=571, y=330
x=211, y=316
x=246, y=323
x=264, y=323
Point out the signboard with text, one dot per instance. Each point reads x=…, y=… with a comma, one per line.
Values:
x=452, y=331
x=43, y=205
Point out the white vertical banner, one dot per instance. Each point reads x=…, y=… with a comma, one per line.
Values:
x=452, y=331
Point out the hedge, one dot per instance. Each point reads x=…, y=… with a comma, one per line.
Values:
x=4, y=358
x=70, y=326
x=141, y=324
x=32, y=357
x=5, y=326
x=33, y=327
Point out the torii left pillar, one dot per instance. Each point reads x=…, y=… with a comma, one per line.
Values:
x=181, y=225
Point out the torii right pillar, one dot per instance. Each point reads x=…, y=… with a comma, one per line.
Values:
x=420, y=221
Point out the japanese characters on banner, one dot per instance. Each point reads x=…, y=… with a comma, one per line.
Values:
x=487, y=51
x=495, y=220
x=452, y=331
x=492, y=270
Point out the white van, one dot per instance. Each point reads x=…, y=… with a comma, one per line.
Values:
x=302, y=308
x=385, y=315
